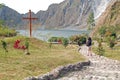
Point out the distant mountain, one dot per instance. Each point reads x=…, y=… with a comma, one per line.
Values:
x=67, y=13
x=11, y=17
x=71, y=14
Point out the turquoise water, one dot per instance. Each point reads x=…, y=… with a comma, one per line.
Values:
x=46, y=34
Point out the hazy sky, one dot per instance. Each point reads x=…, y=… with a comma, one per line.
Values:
x=23, y=6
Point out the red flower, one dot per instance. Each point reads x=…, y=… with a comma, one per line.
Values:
x=17, y=45
x=23, y=47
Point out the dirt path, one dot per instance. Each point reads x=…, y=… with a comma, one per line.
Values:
x=101, y=68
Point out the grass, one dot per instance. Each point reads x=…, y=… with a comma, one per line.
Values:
x=15, y=65
x=110, y=53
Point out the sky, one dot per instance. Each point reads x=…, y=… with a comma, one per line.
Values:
x=23, y=6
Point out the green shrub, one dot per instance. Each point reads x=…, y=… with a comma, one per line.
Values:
x=100, y=50
x=102, y=31
x=111, y=41
x=78, y=39
x=65, y=42
x=53, y=39
x=6, y=32
x=4, y=45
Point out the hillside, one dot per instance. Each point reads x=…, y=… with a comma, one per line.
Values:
x=112, y=14
x=15, y=65
x=111, y=17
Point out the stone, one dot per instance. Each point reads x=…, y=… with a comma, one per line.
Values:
x=27, y=53
x=101, y=68
x=30, y=78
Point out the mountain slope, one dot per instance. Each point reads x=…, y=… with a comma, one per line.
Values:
x=10, y=16
x=111, y=17
x=112, y=14
x=67, y=14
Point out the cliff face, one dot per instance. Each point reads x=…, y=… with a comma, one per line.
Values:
x=69, y=13
x=72, y=13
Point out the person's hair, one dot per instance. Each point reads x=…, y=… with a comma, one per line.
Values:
x=89, y=38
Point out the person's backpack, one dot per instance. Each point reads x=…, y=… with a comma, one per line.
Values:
x=88, y=43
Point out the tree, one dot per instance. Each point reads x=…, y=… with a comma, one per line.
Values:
x=1, y=5
x=27, y=47
x=111, y=41
x=100, y=50
x=65, y=42
x=102, y=31
x=4, y=45
x=91, y=21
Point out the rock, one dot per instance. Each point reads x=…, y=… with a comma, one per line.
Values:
x=27, y=53
x=101, y=68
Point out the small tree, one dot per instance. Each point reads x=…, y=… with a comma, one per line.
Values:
x=102, y=31
x=91, y=21
x=4, y=45
x=27, y=47
x=100, y=50
x=111, y=41
x=65, y=42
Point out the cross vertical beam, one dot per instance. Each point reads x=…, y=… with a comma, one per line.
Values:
x=30, y=18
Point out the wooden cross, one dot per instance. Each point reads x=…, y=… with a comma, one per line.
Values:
x=30, y=18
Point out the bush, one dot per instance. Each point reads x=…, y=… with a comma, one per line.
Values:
x=100, y=50
x=56, y=39
x=111, y=41
x=78, y=39
x=102, y=31
x=53, y=39
x=4, y=45
x=4, y=31
x=65, y=42
x=113, y=35
x=60, y=40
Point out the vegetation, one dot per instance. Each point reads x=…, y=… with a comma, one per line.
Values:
x=102, y=31
x=91, y=21
x=100, y=50
x=55, y=39
x=110, y=53
x=111, y=41
x=75, y=39
x=78, y=39
x=6, y=32
x=109, y=45
x=109, y=35
x=4, y=45
x=65, y=42
x=15, y=65
x=1, y=5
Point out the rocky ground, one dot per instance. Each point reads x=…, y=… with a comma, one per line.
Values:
x=101, y=68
